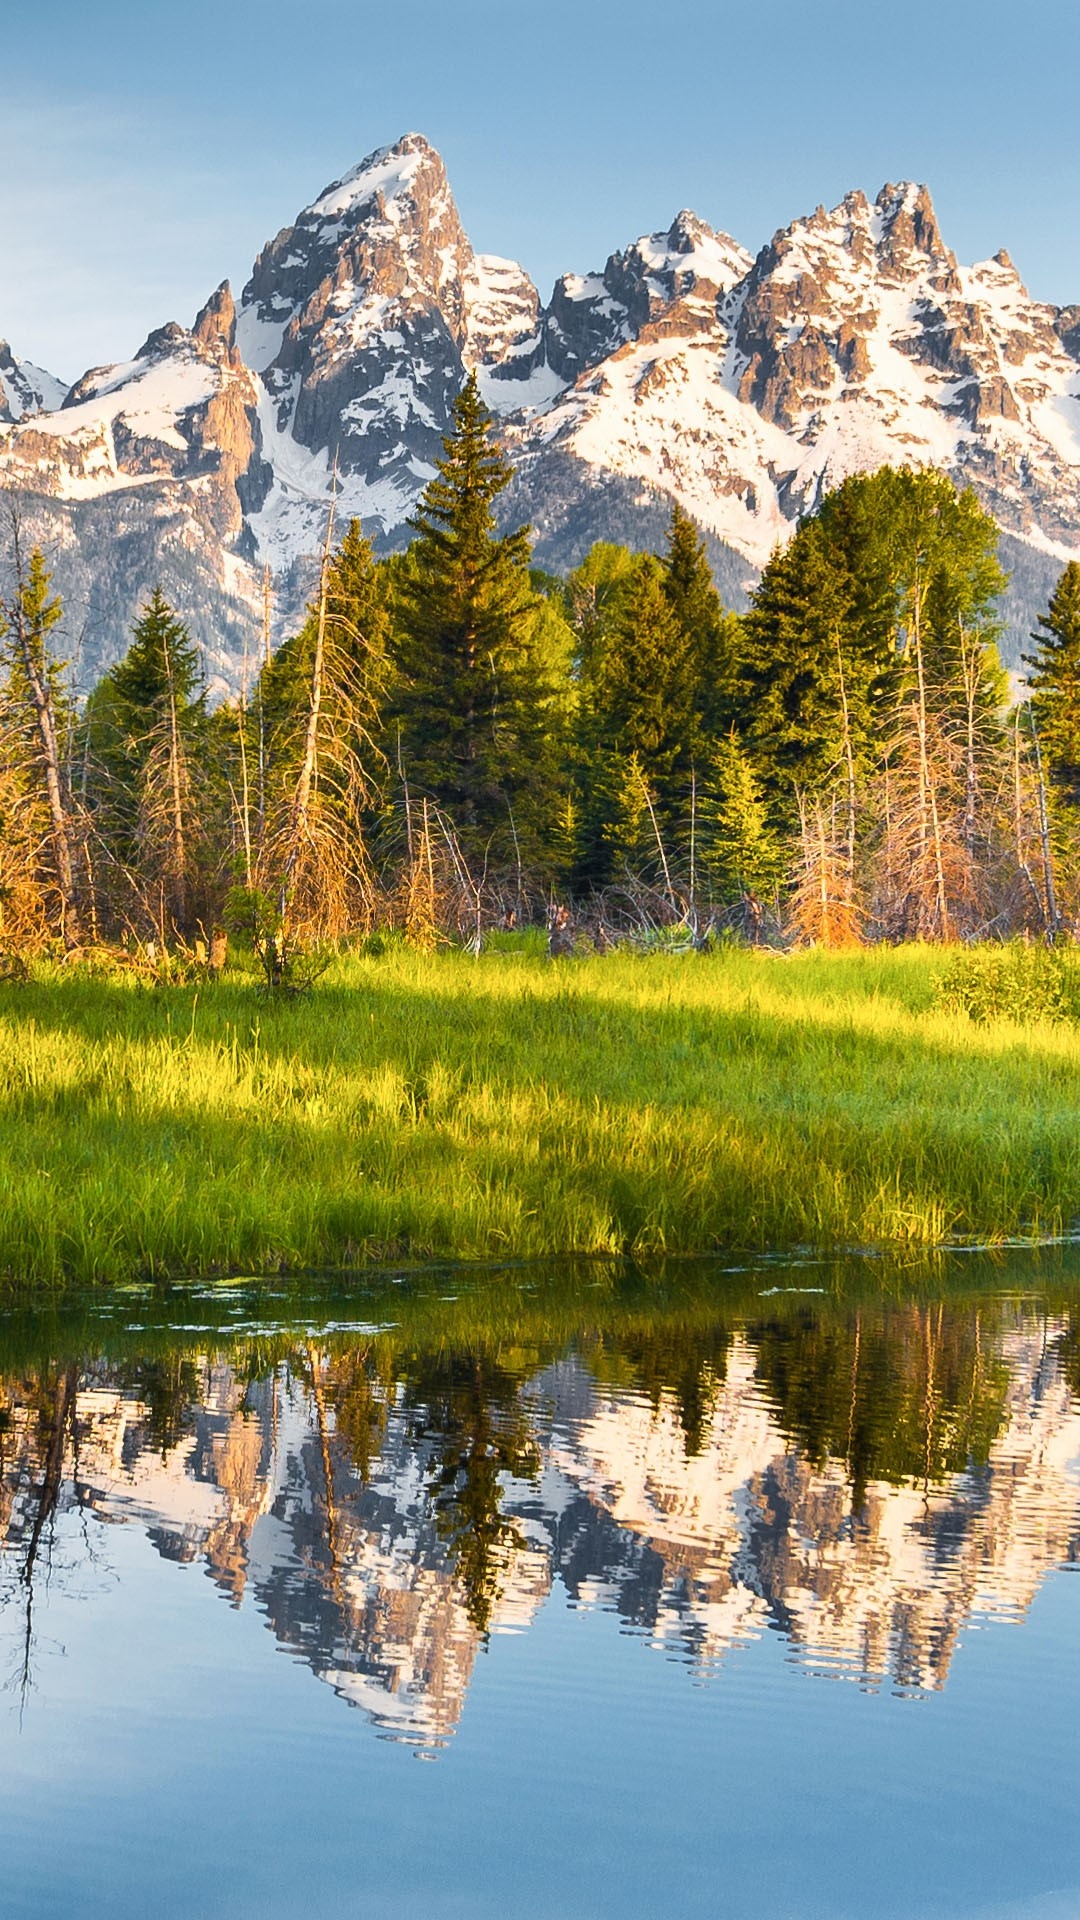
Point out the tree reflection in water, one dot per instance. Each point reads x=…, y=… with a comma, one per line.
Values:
x=862, y=1474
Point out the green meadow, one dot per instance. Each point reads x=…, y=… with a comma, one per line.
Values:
x=413, y=1107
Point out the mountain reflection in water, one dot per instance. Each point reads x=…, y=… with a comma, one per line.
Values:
x=863, y=1476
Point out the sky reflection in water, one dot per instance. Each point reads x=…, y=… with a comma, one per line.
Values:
x=605, y=1565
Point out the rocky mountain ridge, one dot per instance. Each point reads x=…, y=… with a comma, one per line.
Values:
x=742, y=386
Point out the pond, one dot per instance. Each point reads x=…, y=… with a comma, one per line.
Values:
x=596, y=1592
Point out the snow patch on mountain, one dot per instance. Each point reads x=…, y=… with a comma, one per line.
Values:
x=26, y=389
x=684, y=367
x=148, y=398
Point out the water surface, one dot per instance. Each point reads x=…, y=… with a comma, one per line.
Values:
x=594, y=1593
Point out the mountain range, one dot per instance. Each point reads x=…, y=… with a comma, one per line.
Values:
x=685, y=369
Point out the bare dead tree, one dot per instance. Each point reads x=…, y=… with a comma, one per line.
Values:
x=28, y=615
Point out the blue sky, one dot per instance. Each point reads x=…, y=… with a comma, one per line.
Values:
x=147, y=150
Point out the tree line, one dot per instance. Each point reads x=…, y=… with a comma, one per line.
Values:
x=454, y=738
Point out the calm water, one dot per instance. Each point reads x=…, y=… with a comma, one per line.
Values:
x=595, y=1594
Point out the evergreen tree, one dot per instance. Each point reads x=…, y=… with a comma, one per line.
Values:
x=147, y=727
x=472, y=701
x=35, y=732
x=1055, y=684
x=637, y=706
x=712, y=635
x=625, y=798
x=738, y=848
x=811, y=675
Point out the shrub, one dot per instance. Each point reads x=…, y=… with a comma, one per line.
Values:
x=1016, y=981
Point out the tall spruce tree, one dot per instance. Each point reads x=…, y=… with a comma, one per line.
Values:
x=472, y=701
x=36, y=728
x=740, y=852
x=147, y=724
x=636, y=711
x=711, y=634
x=1055, y=684
x=810, y=673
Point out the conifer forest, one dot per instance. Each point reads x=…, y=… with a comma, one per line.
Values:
x=455, y=742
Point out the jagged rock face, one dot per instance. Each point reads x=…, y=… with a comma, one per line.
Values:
x=834, y=295
x=361, y=319
x=742, y=387
x=184, y=408
x=26, y=389
x=142, y=477
x=853, y=340
x=665, y=284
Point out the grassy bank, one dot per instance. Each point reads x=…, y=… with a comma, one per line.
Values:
x=412, y=1107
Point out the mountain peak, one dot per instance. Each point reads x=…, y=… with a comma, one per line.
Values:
x=25, y=389
x=215, y=326
x=909, y=224
x=687, y=230
x=384, y=176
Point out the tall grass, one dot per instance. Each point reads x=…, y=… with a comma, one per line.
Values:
x=418, y=1106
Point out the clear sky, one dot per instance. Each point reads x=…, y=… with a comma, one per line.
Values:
x=148, y=148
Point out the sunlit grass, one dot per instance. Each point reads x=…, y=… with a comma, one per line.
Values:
x=439, y=1106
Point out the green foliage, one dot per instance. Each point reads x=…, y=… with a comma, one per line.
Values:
x=357, y=630
x=595, y=591
x=738, y=849
x=1017, y=981
x=285, y=963
x=472, y=700
x=33, y=619
x=909, y=535
x=619, y=727
x=627, y=824
x=806, y=649
x=636, y=722
x=161, y=666
x=1054, y=681
x=713, y=637
x=889, y=557
x=149, y=779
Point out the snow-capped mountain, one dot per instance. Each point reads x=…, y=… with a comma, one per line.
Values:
x=26, y=389
x=854, y=339
x=685, y=368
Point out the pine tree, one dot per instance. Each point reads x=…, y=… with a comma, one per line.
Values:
x=472, y=702
x=37, y=724
x=1055, y=684
x=811, y=678
x=739, y=849
x=147, y=722
x=712, y=635
x=636, y=705
x=628, y=824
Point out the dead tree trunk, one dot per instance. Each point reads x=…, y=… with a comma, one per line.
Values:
x=1053, y=918
x=929, y=821
x=309, y=761
x=30, y=650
